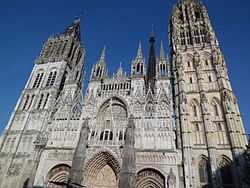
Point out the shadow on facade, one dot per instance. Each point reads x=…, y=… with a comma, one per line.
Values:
x=229, y=174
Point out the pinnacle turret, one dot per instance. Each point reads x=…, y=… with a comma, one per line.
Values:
x=99, y=70
x=137, y=68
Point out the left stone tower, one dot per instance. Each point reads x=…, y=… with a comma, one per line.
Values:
x=57, y=72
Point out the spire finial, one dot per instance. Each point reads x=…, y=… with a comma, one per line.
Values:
x=162, y=52
x=103, y=55
x=152, y=35
x=139, y=51
x=152, y=31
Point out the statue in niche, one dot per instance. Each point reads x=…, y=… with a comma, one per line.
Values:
x=171, y=181
x=228, y=104
x=204, y=103
x=197, y=60
x=14, y=170
x=183, y=102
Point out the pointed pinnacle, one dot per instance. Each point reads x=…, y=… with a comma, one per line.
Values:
x=139, y=52
x=77, y=20
x=162, y=52
x=103, y=55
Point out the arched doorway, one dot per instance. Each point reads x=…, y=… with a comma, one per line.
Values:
x=102, y=171
x=59, y=173
x=225, y=171
x=150, y=178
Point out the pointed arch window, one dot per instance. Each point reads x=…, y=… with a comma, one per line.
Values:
x=31, y=101
x=204, y=175
x=40, y=102
x=189, y=41
x=49, y=79
x=26, y=102
x=191, y=80
x=225, y=169
x=46, y=100
x=195, y=110
x=38, y=80
x=219, y=127
x=216, y=109
x=197, y=36
x=182, y=35
x=203, y=33
x=138, y=68
x=197, y=127
x=53, y=78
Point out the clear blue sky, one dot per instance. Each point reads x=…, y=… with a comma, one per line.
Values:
x=119, y=25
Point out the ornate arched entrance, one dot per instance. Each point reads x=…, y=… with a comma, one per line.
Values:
x=59, y=173
x=102, y=171
x=150, y=178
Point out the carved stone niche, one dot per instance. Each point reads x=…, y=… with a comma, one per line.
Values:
x=14, y=169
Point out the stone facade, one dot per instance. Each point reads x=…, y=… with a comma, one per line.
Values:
x=174, y=122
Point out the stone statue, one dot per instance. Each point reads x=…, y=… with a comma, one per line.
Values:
x=204, y=103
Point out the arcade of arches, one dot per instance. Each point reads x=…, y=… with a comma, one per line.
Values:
x=102, y=171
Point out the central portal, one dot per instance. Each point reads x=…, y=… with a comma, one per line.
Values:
x=101, y=171
x=106, y=178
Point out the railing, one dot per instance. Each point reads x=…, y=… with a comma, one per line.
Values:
x=191, y=87
x=212, y=86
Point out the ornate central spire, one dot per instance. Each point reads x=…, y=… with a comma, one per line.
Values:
x=151, y=72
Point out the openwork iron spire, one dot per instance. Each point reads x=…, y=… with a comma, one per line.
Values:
x=151, y=72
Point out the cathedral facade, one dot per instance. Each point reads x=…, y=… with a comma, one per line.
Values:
x=173, y=122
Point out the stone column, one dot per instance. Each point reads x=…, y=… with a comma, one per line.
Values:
x=75, y=177
x=127, y=174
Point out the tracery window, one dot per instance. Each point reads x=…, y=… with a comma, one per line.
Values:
x=51, y=79
x=38, y=80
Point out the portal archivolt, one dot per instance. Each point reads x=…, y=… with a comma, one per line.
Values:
x=102, y=171
x=150, y=178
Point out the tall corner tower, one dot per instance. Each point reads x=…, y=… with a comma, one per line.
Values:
x=210, y=131
x=57, y=70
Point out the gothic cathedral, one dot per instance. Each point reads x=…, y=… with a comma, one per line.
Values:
x=173, y=122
